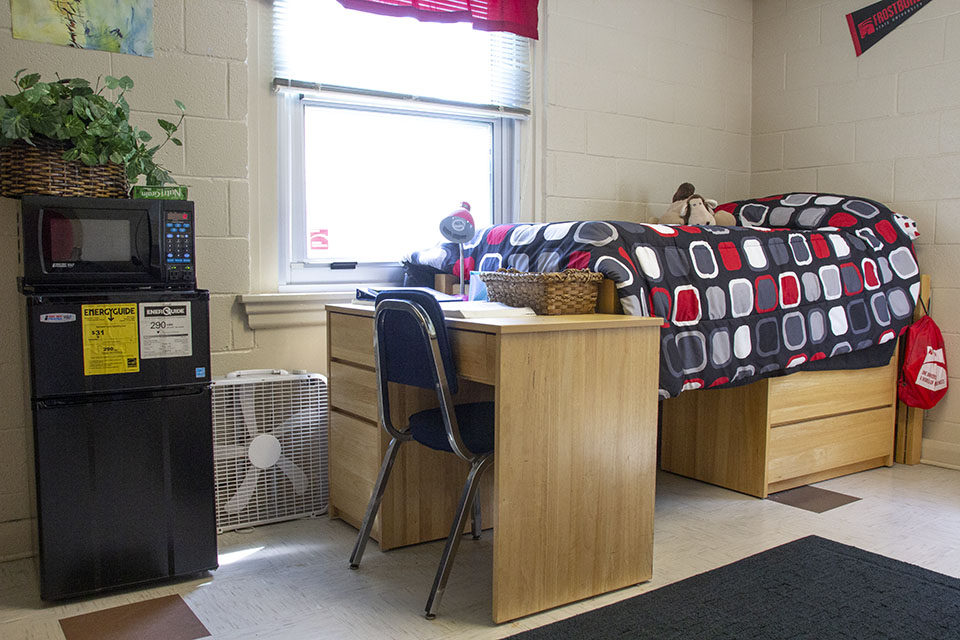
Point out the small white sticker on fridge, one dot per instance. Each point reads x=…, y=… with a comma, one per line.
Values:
x=166, y=330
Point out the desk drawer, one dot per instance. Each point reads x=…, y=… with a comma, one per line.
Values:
x=351, y=338
x=809, y=447
x=815, y=394
x=474, y=355
x=354, y=390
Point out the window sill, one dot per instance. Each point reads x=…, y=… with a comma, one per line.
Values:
x=282, y=310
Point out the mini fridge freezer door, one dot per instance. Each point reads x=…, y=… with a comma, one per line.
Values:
x=125, y=341
x=124, y=491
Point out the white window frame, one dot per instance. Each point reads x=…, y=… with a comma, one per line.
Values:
x=297, y=272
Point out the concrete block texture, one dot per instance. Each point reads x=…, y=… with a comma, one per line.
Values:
x=16, y=539
x=581, y=176
x=616, y=136
x=48, y=60
x=930, y=88
x=859, y=100
x=199, y=83
x=210, y=197
x=947, y=229
x=766, y=152
x=239, y=199
x=927, y=177
x=870, y=179
x=216, y=148
x=775, y=110
x=217, y=28
x=898, y=137
x=566, y=129
x=817, y=146
x=168, y=29
x=223, y=264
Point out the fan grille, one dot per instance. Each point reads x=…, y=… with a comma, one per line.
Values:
x=293, y=409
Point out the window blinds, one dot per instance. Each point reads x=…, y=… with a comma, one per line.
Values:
x=320, y=42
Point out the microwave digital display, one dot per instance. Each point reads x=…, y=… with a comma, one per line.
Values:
x=96, y=242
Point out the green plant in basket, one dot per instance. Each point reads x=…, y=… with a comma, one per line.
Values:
x=92, y=122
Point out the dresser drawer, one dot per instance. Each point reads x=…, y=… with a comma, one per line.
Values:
x=815, y=394
x=351, y=338
x=810, y=447
x=354, y=390
x=354, y=464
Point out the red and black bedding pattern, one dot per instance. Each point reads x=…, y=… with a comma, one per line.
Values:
x=805, y=280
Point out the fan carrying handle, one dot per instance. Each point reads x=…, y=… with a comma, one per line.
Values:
x=257, y=372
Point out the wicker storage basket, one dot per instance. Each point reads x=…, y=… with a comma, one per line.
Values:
x=548, y=294
x=41, y=170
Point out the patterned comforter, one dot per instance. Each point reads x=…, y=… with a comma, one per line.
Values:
x=806, y=281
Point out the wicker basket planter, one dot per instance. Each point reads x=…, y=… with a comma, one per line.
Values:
x=550, y=294
x=41, y=170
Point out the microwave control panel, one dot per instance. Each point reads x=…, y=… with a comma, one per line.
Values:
x=178, y=232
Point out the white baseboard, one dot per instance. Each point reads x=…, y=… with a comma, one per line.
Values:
x=940, y=454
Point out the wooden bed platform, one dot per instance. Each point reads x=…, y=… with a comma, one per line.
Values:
x=784, y=432
x=780, y=433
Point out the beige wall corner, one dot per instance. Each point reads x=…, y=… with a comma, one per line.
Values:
x=882, y=125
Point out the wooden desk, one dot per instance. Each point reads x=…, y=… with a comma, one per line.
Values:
x=573, y=481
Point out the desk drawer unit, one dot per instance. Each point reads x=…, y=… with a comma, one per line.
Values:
x=425, y=485
x=781, y=433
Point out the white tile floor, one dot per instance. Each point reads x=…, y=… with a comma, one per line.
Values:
x=291, y=581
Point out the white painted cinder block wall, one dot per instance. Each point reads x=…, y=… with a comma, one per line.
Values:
x=641, y=95
x=885, y=125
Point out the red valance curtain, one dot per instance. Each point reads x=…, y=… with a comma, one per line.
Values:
x=514, y=16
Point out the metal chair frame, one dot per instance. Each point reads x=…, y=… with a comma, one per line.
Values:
x=478, y=462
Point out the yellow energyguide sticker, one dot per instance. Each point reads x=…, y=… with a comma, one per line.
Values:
x=110, y=340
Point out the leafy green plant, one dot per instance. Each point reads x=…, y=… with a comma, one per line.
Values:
x=93, y=124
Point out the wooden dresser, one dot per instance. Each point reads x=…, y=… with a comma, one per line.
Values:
x=780, y=433
x=424, y=488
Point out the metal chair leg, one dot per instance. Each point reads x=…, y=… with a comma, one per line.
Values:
x=374, y=505
x=477, y=516
x=477, y=468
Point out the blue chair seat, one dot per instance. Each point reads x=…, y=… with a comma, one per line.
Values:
x=476, y=420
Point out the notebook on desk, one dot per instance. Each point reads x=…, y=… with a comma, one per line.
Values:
x=368, y=295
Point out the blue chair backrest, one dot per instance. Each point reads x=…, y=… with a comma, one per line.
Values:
x=405, y=351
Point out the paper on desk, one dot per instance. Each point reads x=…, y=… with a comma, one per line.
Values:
x=483, y=309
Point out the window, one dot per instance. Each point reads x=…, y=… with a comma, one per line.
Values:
x=386, y=125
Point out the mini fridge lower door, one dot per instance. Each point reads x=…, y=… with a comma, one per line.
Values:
x=124, y=490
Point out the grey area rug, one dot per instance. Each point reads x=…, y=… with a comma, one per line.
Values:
x=808, y=588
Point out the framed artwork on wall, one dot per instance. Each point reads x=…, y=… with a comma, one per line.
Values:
x=120, y=26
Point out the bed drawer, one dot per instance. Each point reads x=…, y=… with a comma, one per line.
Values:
x=354, y=390
x=816, y=394
x=806, y=448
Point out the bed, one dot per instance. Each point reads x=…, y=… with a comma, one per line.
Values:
x=811, y=283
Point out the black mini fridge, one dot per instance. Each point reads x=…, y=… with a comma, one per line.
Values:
x=123, y=440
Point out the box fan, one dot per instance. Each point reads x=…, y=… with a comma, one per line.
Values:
x=269, y=446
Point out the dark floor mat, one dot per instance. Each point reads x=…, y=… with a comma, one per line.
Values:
x=812, y=498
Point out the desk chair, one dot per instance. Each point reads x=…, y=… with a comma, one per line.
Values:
x=412, y=348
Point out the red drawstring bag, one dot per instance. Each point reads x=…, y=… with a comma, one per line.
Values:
x=923, y=378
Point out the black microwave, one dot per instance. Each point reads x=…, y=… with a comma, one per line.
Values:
x=83, y=243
